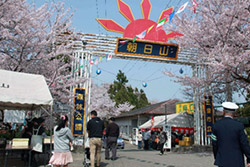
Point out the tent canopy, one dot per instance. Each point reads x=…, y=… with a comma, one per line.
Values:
x=23, y=91
x=174, y=120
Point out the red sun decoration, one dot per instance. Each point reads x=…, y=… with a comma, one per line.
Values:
x=136, y=27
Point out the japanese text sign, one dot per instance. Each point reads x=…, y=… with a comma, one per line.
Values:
x=208, y=115
x=78, y=122
x=185, y=107
x=147, y=49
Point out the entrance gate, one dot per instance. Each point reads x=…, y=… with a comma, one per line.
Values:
x=100, y=45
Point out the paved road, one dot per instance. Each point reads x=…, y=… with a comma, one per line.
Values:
x=131, y=157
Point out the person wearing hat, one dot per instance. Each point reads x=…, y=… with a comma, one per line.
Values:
x=112, y=133
x=229, y=140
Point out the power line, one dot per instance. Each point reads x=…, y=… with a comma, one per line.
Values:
x=97, y=15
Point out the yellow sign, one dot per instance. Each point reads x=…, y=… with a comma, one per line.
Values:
x=185, y=107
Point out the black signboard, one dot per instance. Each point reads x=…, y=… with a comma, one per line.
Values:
x=208, y=115
x=79, y=112
x=147, y=49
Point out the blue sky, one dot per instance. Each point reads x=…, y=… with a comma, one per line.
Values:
x=160, y=87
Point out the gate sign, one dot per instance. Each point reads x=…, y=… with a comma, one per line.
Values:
x=142, y=48
x=208, y=115
x=78, y=122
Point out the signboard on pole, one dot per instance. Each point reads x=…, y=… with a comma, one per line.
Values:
x=208, y=115
x=185, y=107
x=146, y=49
x=78, y=122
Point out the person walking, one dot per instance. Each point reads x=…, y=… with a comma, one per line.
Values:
x=146, y=138
x=62, y=142
x=229, y=140
x=95, y=128
x=162, y=140
x=139, y=139
x=112, y=133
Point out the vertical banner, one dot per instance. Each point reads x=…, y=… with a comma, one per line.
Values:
x=208, y=114
x=78, y=122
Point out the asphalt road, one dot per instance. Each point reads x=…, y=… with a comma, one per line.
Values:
x=132, y=157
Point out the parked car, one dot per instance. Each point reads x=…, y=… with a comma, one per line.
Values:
x=120, y=143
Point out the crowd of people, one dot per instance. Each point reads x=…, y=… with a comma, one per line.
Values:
x=229, y=140
x=153, y=139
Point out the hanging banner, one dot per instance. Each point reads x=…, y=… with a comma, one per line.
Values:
x=142, y=48
x=185, y=107
x=78, y=122
x=208, y=115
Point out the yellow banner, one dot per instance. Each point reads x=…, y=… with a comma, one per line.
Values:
x=185, y=107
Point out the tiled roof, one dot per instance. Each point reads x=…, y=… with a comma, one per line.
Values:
x=154, y=109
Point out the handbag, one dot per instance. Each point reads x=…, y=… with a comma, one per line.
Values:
x=37, y=141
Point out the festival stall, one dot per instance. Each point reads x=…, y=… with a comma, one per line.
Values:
x=22, y=91
x=179, y=122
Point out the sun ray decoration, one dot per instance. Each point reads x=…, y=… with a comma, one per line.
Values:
x=166, y=13
x=138, y=26
x=145, y=8
x=125, y=10
x=111, y=25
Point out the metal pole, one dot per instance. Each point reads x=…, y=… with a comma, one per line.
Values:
x=51, y=129
x=200, y=106
x=196, y=109
x=166, y=116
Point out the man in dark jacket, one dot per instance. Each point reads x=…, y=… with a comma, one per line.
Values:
x=162, y=140
x=112, y=133
x=229, y=140
x=95, y=129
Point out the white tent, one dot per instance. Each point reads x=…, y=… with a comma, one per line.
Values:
x=23, y=91
x=173, y=120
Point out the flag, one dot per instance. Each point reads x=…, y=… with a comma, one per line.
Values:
x=109, y=56
x=91, y=62
x=152, y=122
x=96, y=61
x=195, y=4
x=134, y=39
x=123, y=42
x=182, y=8
x=81, y=66
x=141, y=35
x=100, y=58
x=150, y=28
x=76, y=70
x=171, y=16
x=161, y=22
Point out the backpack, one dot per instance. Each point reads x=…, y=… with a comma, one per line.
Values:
x=163, y=137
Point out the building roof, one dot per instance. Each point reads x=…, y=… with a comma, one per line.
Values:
x=153, y=109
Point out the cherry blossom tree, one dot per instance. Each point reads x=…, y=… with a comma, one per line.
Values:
x=220, y=31
x=38, y=40
x=101, y=102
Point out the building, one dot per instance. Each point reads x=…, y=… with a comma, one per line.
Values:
x=133, y=119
